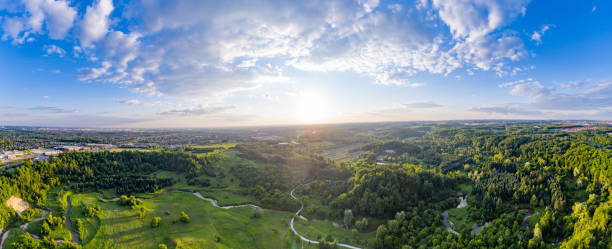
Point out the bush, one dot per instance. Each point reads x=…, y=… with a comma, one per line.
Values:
x=45, y=229
x=129, y=201
x=162, y=246
x=184, y=217
x=257, y=212
x=92, y=210
x=155, y=222
x=362, y=224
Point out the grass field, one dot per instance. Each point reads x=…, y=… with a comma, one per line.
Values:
x=314, y=229
x=120, y=226
x=460, y=219
x=56, y=204
x=12, y=237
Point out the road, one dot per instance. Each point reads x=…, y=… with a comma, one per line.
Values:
x=10, y=166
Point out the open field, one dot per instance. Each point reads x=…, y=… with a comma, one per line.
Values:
x=210, y=227
x=460, y=219
x=315, y=229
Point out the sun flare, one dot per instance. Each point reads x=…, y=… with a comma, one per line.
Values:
x=312, y=107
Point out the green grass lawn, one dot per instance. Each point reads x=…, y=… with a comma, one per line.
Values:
x=315, y=229
x=12, y=237
x=224, y=187
x=466, y=189
x=120, y=226
x=460, y=219
x=56, y=204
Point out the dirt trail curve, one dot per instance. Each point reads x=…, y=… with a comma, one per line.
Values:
x=75, y=236
x=302, y=237
x=4, y=236
x=215, y=203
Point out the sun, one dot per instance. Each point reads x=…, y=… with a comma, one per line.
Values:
x=312, y=107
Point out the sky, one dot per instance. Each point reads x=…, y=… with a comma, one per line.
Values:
x=197, y=63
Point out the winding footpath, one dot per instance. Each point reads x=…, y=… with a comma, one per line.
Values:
x=76, y=238
x=302, y=237
x=477, y=229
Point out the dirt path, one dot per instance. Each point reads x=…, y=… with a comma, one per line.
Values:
x=302, y=237
x=449, y=224
x=4, y=236
x=215, y=203
x=75, y=236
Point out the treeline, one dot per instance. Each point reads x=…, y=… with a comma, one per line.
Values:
x=567, y=174
x=281, y=167
x=383, y=190
x=90, y=171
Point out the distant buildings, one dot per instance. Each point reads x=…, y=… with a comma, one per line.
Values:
x=11, y=155
x=68, y=148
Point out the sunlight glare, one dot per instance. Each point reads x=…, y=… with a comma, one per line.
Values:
x=312, y=107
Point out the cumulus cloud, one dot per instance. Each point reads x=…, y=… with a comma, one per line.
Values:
x=131, y=102
x=198, y=110
x=537, y=35
x=52, y=49
x=55, y=17
x=473, y=19
x=95, y=23
x=526, y=87
x=429, y=104
x=205, y=48
x=591, y=98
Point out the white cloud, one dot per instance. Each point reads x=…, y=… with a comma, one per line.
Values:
x=52, y=49
x=429, y=104
x=198, y=110
x=54, y=16
x=52, y=109
x=131, y=102
x=528, y=88
x=589, y=98
x=507, y=109
x=202, y=49
x=473, y=19
x=537, y=35
x=95, y=23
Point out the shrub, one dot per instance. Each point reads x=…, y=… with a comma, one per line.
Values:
x=184, y=217
x=257, y=212
x=362, y=224
x=155, y=222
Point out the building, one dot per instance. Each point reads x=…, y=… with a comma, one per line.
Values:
x=11, y=155
x=68, y=148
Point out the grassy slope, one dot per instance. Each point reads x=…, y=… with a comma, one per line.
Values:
x=54, y=203
x=120, y=227
x=314, y=229
x=12, y=237
x=460, y=218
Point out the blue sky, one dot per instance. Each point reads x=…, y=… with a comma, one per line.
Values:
x=197, y=63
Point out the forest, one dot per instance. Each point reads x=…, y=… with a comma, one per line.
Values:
x=506, y=185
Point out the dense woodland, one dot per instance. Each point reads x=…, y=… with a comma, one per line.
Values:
x=402, y=182
x=126, y=172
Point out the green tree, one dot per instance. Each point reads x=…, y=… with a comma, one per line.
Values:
x=362, y=224
x=348, y=218
x=257, y=212
x=184, y=217
x=45, y=229
x=155, y=221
